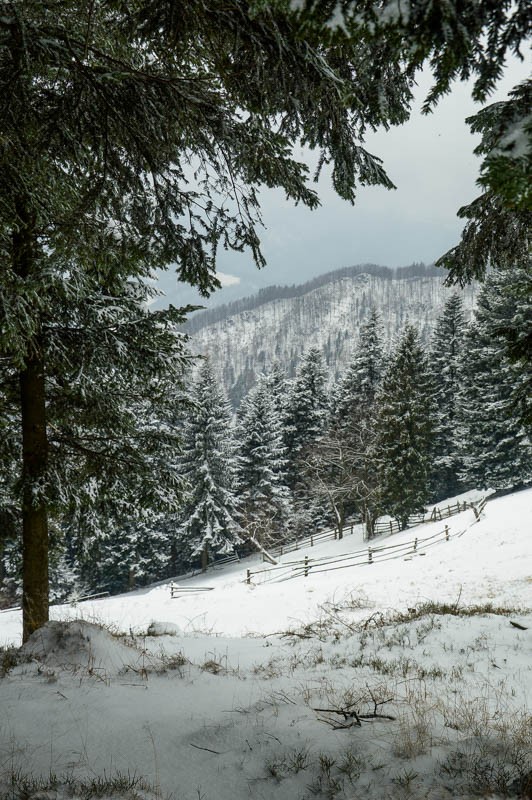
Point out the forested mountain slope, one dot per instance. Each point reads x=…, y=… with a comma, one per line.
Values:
x=245, y=338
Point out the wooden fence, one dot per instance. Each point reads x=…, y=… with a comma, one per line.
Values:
x=313, y=539
x=389, y=526
x=176, y=590
x=233, y=558
x=370, y=555
x=438, y=513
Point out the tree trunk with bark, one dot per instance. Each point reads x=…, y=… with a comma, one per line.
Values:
x=34, y=511
x=205, y=557
x=34, y=450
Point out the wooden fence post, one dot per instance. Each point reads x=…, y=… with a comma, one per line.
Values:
x=306, y=566
x=370, y=555
x=248, y=579
x=391, y=526
x=447, y=533
x=312, y=541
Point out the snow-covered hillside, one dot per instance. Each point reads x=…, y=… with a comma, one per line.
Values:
x=404, y=679
x=327, y=317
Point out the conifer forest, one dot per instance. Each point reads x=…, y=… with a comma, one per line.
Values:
x=400, y=427
x=135, y=139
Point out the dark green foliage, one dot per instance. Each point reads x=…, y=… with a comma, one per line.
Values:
x=350, y=473
x=460, y=40
x=498, y=230
x=209, y=465
x=113, y=371
x=121, y=555
x=496, y=449
x=405, y=430
x=305, y=422
x=114, y=374
x=307, y=406
x=265, y=495
x=132, y=137
x=510, y=323
x=506, y=130
x=446, y=354
x=355, y=393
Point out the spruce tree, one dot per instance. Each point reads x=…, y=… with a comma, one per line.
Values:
x=306, y=422
x=307, y=407
x=263, y=478
x=280, y=391
x=357, y=387
x=404, y=430
x=209, y=516
x=445, y=356
x=509, y=322
x=352, y=421
x=498, y=228
x=120, y=556
x=495, y=445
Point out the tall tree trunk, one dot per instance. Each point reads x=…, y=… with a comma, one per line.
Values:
x=34, y=511
x=369, y=519
x=205, y=557
x=34, y=450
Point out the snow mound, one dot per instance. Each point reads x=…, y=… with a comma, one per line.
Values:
x=163, y=629
x=79, y=644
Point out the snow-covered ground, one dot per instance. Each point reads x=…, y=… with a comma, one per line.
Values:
x=374, y=681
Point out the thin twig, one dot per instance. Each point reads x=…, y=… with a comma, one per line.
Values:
x=208, y=749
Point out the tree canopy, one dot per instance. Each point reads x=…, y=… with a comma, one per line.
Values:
x=460, y=40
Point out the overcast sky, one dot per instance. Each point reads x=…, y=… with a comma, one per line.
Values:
x=431, y=161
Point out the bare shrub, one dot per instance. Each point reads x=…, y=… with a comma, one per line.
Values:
x=414, y=735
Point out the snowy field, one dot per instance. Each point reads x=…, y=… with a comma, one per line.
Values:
x=409, y=678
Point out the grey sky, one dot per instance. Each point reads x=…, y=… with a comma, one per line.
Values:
x=431, y=161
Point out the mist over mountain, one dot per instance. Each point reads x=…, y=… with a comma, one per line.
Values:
x=280, y=323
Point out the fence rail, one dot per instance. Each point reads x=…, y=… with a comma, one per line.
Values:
x=233, y=558
x=437, y=514
x=313, y=539
x=370, y=555
x=178, y=591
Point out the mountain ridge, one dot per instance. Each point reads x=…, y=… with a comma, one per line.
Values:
x=246, y=337
x=202, y=318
